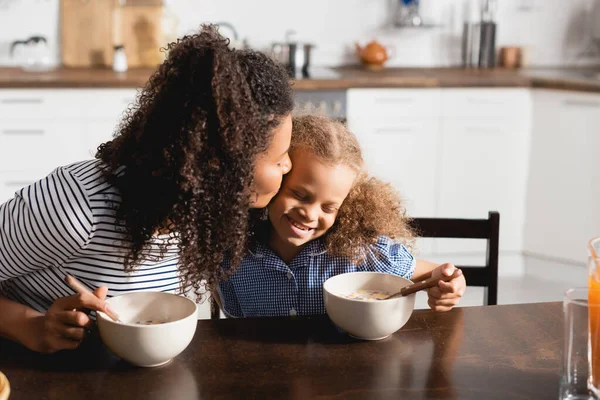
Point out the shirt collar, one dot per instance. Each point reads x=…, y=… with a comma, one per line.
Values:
x=312, y=249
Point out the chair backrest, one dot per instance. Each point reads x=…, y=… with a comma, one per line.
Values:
x=485, y=276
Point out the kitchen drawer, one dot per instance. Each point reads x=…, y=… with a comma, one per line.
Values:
x=375, y=103
x=34, y=145
x=108, y=103
x=497, y=102
x=40, y=104
x=11, y=182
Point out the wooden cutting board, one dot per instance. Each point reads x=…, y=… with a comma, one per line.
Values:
x=91, y=28
x=86, y=32
x=138, y=28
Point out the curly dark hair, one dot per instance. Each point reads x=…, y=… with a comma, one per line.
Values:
x=371, y=209
x=184, y=154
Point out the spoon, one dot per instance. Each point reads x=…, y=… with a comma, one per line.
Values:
x=79, y=288
x=429, y=282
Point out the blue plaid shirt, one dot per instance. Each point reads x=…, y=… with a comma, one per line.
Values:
x=265, y=286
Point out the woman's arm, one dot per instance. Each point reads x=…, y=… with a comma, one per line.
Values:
x=17, y=322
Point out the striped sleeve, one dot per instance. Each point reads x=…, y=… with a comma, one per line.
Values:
x=389, y=257
x=43, y=225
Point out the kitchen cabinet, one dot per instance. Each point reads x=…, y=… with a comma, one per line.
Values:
x=563, y=201
x=398, y=131
x=454, y=153
x=483, y=162
x=43, y=129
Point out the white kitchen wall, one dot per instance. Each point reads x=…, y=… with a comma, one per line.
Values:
x=554, y=31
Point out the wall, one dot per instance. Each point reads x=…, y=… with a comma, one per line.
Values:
x=554, y=31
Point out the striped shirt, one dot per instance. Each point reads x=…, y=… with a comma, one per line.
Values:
x=66, y=224
x=265, y=286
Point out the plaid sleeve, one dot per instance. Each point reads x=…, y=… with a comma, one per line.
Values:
x=388, y=257
x=229, y=300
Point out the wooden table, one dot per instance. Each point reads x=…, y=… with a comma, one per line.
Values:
x=500, y=352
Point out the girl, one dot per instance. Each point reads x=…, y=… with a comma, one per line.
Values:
x=207, y=140
x=328, y=218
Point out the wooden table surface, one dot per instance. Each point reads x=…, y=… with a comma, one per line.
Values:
x=500, y=352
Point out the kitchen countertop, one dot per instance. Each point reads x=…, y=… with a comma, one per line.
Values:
x=578, y=79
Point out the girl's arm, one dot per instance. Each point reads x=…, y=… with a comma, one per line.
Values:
x=422, y=268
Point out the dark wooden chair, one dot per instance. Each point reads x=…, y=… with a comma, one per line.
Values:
x=489, y=229
x=485, y=276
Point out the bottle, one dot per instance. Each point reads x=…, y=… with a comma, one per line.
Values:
x=119, y=59
x=487, y=41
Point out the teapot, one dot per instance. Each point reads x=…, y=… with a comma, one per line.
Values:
x=374, y=54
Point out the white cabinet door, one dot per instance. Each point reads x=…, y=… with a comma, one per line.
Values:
x=96, y=133
x=11, y=182
x=56, y=104
x=398, y=132
x=484, y=168
x=563, y=205
x=401, y=153
x=385, y=103
x=27, y=145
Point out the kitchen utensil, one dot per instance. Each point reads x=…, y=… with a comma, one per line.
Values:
x=487, y=41
x=368, y=320
x=429, y=282
x=174, y=324
x=293, y=54
x=86, y=33
x=228, y=31
x=79, y=288
x=139, y=30
x=374, y=54
x=32, y=54
x=4, y=387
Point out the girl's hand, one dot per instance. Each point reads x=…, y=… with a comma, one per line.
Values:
x=447, y=294
x=64, y=324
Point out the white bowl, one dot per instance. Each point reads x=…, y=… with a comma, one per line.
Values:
x=368, y=320
x=148, y=345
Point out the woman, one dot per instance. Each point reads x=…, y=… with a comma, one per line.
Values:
x=162, y=203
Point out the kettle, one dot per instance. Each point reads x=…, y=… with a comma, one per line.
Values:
x=32, y=54
x=373, y=55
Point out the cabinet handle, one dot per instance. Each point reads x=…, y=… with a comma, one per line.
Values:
x=488, y=130
x=394, y=100
x=581, y=103
x=23, y=131
x=484, y=101
x=17, y=183
x=22, y=101
x=393, y=131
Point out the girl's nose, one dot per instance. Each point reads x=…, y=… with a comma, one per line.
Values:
x=309, y=212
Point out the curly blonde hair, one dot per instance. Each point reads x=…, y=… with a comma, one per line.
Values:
x=371, y=209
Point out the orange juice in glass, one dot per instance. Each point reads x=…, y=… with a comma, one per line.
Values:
x=594, y=312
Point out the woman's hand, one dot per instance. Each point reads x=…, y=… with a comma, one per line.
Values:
x=64, y=325
x=446, y=294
